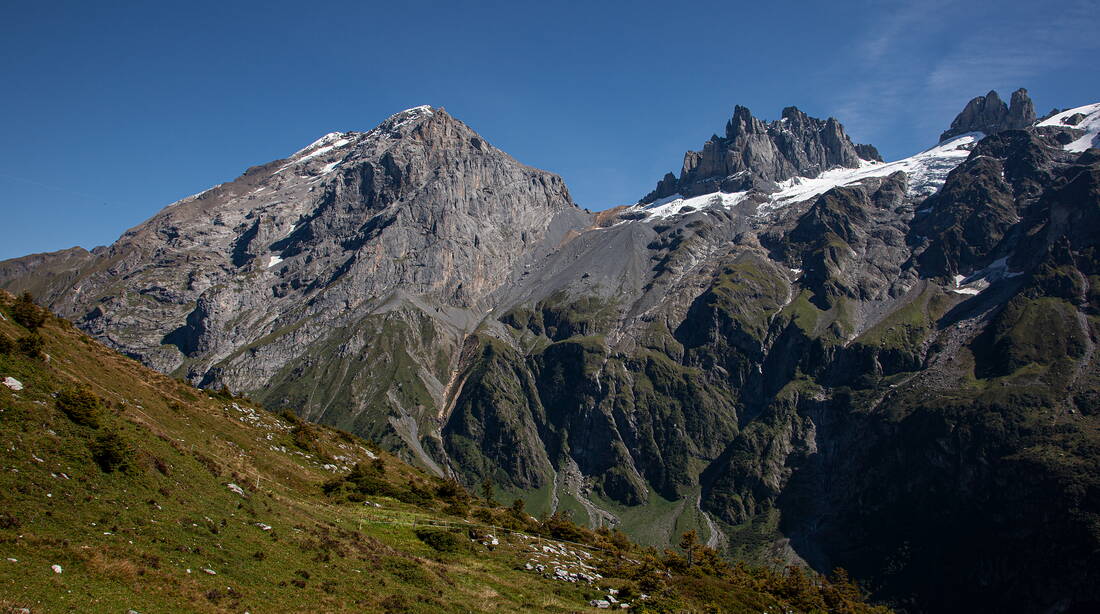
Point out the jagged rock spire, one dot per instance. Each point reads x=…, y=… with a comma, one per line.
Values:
x=989, y=114
x=755, y=154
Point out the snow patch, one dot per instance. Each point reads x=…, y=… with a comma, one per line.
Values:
x=1090, y=124
x=673, y=205
x=273, y=261
x=927, y=172
x=330, y=140
x=980, y=280
x=401, y=118
x=13, y=383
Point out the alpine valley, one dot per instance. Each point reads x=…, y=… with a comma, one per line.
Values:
x=802, y=352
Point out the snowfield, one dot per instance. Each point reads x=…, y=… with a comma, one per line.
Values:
x=927, y=173
x=1090, y=124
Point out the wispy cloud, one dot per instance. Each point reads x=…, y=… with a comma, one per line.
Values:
x=918, y=63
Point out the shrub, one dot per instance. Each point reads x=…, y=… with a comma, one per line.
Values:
x=457, y=508
x=7, y=346
x=303, y=437
x=25, y=312
x=451, y=490
x=394, y=604
x=81, y=406
x=289, y=416
x=111, y=452
x=31, y=345
x=444, y=541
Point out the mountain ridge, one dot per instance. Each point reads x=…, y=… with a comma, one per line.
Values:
x=784, y=363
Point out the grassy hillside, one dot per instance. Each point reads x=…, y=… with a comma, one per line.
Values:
x=125, y=489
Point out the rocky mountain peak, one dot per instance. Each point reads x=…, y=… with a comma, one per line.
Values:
x=756, y=154
x=989, y=114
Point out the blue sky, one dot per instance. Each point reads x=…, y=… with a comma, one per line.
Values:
x=112, y=110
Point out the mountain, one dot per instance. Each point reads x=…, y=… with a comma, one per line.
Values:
x=380, y=247
x=798, y=350
x=126, y=490
x=755, y=154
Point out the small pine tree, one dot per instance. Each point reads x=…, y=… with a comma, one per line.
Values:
x=31, y=345
x=487, y=489
x=518, y=507
x=688, y=542
x=7, y=346
x=111, y=452
x=25, y=312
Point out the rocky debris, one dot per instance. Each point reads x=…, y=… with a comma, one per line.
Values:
x=13, y=383
x=263, y=526
x=989, y=114
x=600, y=603
x=755, y=155
x=237, y=489
x=259, y=419
x=209, y=572
x=556, y=561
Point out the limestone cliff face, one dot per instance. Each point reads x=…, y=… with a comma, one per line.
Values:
x=405, y=230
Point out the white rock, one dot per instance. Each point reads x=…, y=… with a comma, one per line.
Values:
x=56, y=568
x=235, y=488
x=13, y=383
x=210, y=572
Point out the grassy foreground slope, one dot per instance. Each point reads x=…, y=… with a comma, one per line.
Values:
x=123, y=489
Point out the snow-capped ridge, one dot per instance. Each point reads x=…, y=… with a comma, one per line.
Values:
x=927, y=171
x=1090, y=124
x=401, y=118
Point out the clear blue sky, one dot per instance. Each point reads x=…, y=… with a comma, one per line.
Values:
x=110, y=110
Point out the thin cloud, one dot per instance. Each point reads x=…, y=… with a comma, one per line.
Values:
x=914, y=67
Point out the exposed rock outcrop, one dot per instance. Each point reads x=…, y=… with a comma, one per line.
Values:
x=755, y=154
x=989, y=114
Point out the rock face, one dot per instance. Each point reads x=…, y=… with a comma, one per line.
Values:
x=755, y=154
x=990, y=115
x=380, y=247
x=888, y=367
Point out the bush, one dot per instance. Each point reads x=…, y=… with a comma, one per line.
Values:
x=25, y=312
x=7, y=346
x=451, y=490
x=81, y=406
x=444, y=541
x=31, y=345
x=303, y=437
x=457, y=508
x=111, y=452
